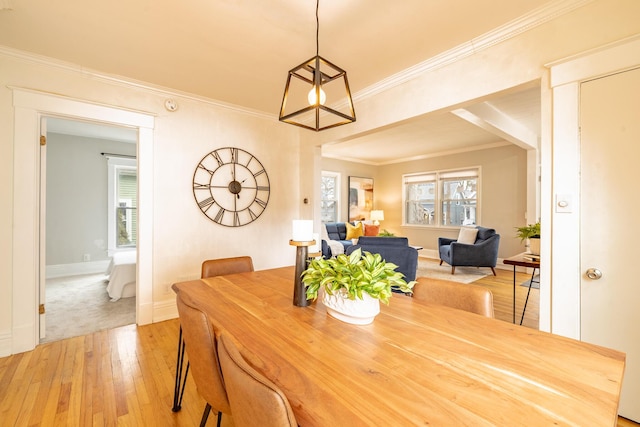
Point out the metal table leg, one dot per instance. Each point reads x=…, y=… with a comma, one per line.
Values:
x=528, y=292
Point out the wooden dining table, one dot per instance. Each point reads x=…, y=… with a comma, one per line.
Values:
x=416, y=364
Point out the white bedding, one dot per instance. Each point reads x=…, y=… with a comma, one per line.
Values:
x=122, y=275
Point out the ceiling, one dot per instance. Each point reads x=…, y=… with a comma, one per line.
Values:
x=239, y=51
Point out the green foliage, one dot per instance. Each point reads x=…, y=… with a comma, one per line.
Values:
x=356, y=273
x=531, y=230
x=386, y=233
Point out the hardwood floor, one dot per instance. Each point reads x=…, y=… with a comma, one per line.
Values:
x=124, y=376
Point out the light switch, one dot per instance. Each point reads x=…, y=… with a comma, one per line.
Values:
x=564, y=203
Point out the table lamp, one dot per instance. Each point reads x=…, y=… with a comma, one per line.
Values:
x=377, y=216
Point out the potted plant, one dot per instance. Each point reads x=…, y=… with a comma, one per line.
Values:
x=530, y=232
x=354, y=282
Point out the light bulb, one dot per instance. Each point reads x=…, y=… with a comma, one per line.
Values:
x=311, y=97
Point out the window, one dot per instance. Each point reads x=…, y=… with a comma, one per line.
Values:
x=329, y=196
x=442, y=198
x=122, y=204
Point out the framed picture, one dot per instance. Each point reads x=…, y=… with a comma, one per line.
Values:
x=360, y=198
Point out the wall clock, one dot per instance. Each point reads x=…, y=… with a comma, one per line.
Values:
x=231, y=187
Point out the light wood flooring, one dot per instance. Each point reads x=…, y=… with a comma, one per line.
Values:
x=125, y=376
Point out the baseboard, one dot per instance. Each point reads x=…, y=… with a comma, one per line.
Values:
x=164, y=310
x=5, y=345
x=77, y=269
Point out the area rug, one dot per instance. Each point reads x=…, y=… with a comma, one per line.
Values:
x=80, y=305
x=430, y=268
x=534, y=285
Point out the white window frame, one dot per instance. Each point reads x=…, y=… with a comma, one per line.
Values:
x=113, y=166
x=438, y=178
x=337, y=176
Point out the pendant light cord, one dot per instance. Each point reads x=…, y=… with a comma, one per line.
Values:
x=317, y=29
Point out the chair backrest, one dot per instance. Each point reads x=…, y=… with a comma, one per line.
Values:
x=200, y=343
x=254, y=399
x=467, y=297
x=222, y=266
x=484, y=233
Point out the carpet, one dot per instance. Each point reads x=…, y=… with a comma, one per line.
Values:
x=534, y=285
x=80, y=305
x=463, y=274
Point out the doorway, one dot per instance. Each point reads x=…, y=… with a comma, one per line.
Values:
x=86, y=169
x=29, y=107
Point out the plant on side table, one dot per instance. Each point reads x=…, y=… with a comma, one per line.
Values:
x=354, y=282
x=530, y=232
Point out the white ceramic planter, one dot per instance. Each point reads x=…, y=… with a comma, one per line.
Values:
x=356, y=312
x=534, y=245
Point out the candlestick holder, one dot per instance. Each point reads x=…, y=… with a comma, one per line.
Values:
x=302, y=251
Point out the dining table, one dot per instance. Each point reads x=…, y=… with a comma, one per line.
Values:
x=415, y=364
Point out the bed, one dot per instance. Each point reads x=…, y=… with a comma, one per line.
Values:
x=122, y=275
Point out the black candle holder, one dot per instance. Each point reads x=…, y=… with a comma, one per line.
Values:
x=302, y=253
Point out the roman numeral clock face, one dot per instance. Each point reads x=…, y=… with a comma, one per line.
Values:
x=231, y=187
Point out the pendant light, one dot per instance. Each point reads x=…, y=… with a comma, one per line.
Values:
x=317, y=94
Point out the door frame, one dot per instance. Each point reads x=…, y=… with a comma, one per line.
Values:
x=560, y=306
x=29, y=107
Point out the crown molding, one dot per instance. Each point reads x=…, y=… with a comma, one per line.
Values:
x=422, y=156
x=125, y=82
x=535, y=18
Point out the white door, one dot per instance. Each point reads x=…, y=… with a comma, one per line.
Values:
x=610, y=222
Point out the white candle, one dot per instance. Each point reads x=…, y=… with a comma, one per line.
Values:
x=302, y=230
x=316, y=246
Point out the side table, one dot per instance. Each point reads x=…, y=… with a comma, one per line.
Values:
x=520, y=261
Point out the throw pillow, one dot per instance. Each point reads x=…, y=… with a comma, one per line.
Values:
x=371, y=230
x=354, y=231
x=467, y=235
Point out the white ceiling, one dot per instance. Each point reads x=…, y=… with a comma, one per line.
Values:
x=239, y=51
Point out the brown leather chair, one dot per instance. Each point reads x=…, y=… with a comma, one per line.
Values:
x=222, y=266
x=210, y=268
x=200, y=341
x=468, y=297
x=254, y=399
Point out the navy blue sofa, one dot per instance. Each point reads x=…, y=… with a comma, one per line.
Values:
x=391, y=249
x=335, y=231
x=483, y=253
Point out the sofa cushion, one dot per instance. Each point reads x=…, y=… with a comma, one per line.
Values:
x=354, y=231
x=336, y=230
x=371, y=230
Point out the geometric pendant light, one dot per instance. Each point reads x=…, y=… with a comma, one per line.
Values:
x=317, y=94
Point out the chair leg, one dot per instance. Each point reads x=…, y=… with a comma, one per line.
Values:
x=181, y=380
x=440, y=262
x=453, y=270
x=494, y=271
x=205, y=415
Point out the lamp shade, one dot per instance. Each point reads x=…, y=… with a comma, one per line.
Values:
x=377, y=215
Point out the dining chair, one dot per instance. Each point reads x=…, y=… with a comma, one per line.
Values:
x=200, y=339
x=210, y=268
x=254, y=399
x=468, y=297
